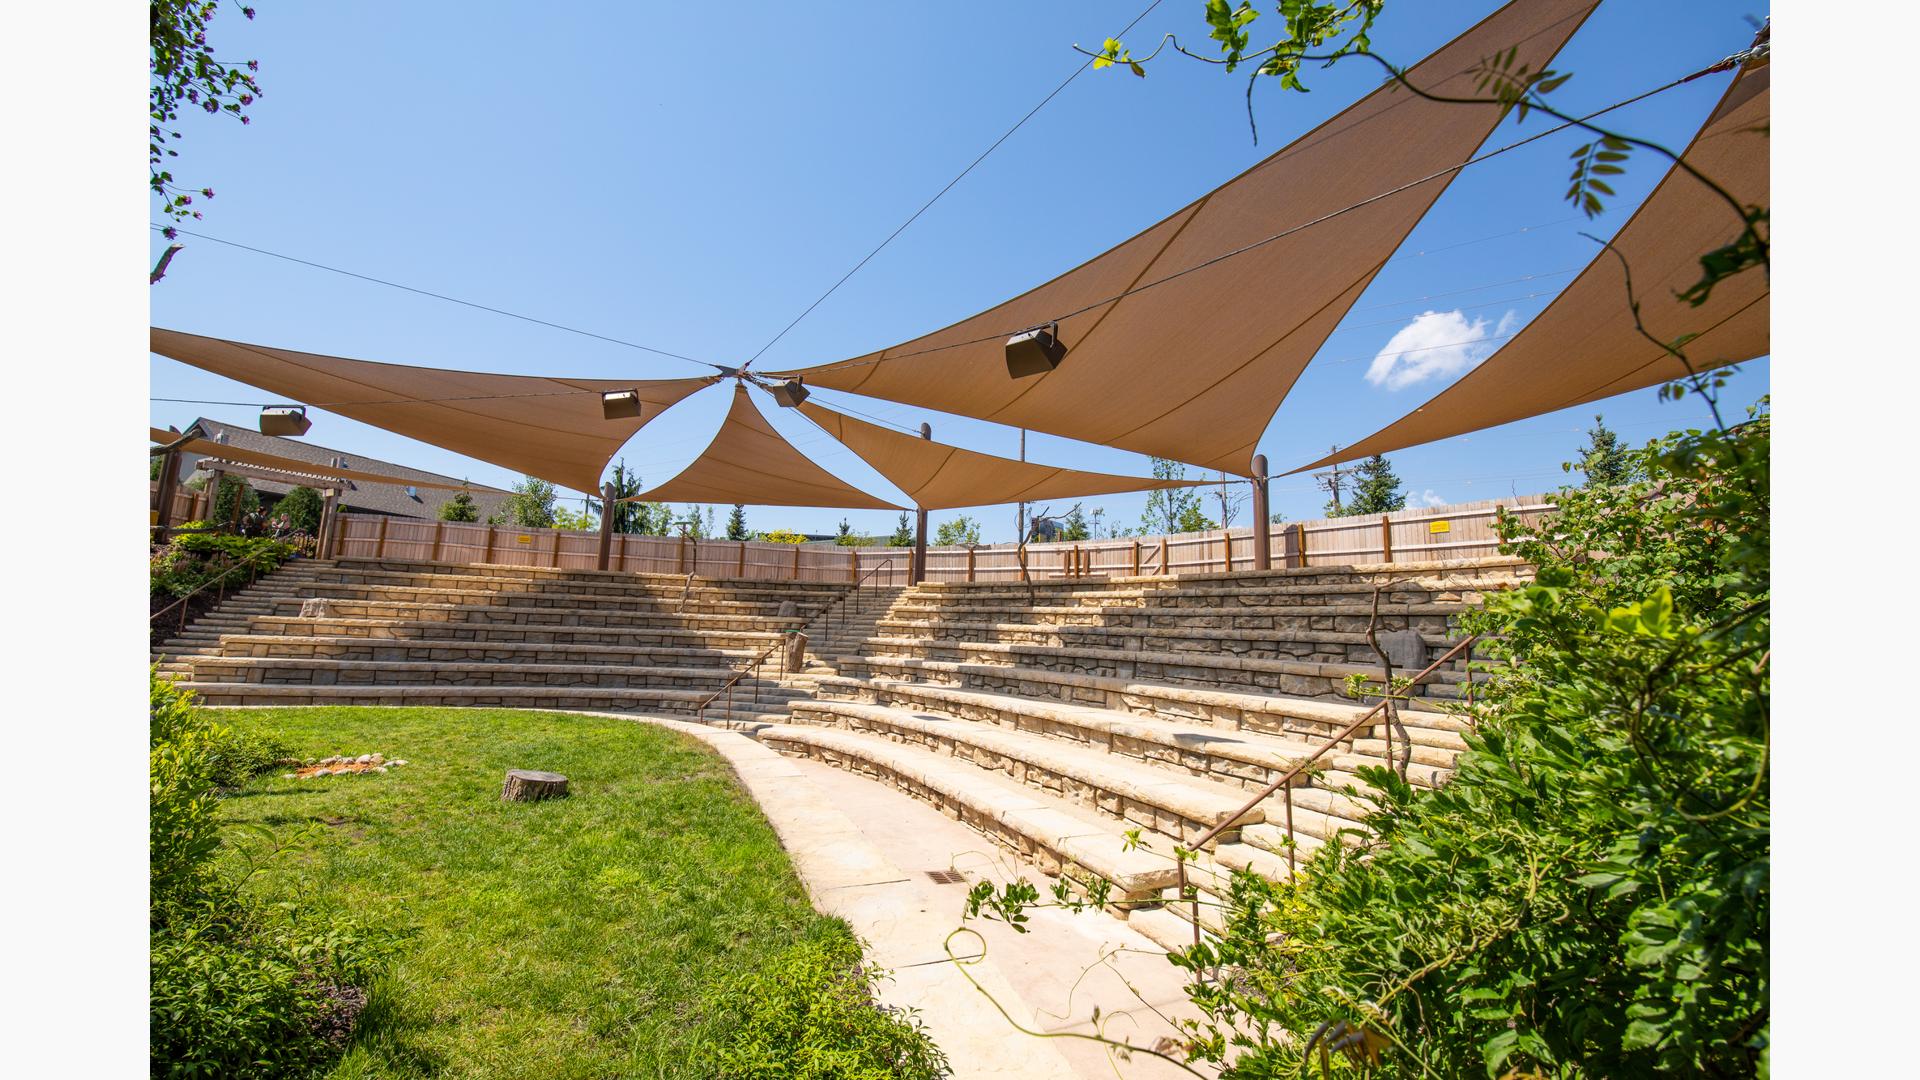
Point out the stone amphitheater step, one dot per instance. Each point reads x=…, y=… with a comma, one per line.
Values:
x=544, y=614
x=1060, y=836
x=328, y=672
x=662, y=700
x=1294, y=678
x=495, y=632
x=1305, y=645
x=362, y=648
x=1162, y=800
x=1218, y=709
x=337, y=594
x=1245, y=757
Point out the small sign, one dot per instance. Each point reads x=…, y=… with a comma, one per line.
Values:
x=523, y=538
x=1439, y=526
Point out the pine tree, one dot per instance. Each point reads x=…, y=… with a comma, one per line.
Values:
x=902, y=533
x=737, y=523
x=459, y=508
x=1074, y=526
x=1603, y=459
x=1375, y=489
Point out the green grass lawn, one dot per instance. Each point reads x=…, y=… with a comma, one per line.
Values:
x=571, y=938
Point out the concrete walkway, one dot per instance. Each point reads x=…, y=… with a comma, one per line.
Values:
x=864, y=852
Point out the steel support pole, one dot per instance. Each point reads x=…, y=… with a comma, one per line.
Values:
x=1262, y=540
x=919, y=571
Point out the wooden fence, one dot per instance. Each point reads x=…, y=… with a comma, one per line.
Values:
x=1436, y=534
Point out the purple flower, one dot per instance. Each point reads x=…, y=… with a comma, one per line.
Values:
x=246, y=119
x=170, y=233
x=253, y=65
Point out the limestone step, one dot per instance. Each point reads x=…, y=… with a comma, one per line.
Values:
x=596, y=582
x=1316, y=646
x=459, y=630
x=1174, y=805
x=387, y=595
x=1165, y=928
x=1326, y=681
x=511, y=697
x=362, y=648
x=535, y=613
x=246, y=669
x=1059, y=836
x=1272, y=713
x=1240, y=759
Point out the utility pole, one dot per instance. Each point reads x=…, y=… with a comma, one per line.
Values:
x=1333, y=480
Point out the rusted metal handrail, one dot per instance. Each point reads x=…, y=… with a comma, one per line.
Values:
x=856, y=596
x=700, y=712
x=1285, y=781
x=250, y=563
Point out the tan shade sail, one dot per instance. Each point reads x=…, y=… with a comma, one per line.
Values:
x=940, y=477
x=1193, y=369
x=1584, y=345
x=546, y=427
x=221, y=452
x=749, y=462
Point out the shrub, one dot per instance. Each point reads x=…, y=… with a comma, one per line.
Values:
x=781, y=536
x=236, y=988
x=302, y=507
x=195, y=559
x=810, y=1015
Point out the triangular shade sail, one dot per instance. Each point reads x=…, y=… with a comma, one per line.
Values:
x=939, y=477
x=222, y=452
x=1584, y=346
x=748, y=462
x=1194, y=368
x=546, y=427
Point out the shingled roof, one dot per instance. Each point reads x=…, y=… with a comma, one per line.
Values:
x=389, y=499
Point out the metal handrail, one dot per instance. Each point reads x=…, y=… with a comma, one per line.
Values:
x=1285, y=782
x=856, y=596
x=249, y=563
x=700, y=712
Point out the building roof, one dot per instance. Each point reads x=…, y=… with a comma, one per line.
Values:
x=366, y=498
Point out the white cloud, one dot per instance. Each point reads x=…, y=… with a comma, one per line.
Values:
x=1425, y=499
x=1436, y=345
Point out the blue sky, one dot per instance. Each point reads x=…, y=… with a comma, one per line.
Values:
x=654, y=173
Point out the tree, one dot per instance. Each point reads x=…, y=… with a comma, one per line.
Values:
x=902, y=533
x=1074, y=525
x=182, y=72
x=632, y=516
x=962, y=531
x=583, y=520
x=1167, y=508
x=1193, y=519
x=529, y=507
x=846, y=537
x=781, y=536
x=1376, y=490
x=302, y=507
x=691, y=524
x=459, y=508
x=231, y=488
x=1604, y=460
x=1232, y=498
x=737, y=523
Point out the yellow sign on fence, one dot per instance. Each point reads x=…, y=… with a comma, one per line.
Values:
x=1439, y=526
x=523, y=538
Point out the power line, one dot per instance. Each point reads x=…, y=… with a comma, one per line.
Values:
x=436, y=296
x=937, y=195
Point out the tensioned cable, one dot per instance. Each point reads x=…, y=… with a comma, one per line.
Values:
x=937, y=195
x=1284, y=233
x=437, y=296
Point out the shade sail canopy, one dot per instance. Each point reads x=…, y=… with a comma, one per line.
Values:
x=749, y=462
x=1584, y=346
x=939, y=477
x=1194, y=368
x=221, y=452
x=551, y=428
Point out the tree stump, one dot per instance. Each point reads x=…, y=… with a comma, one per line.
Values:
x=527, y=785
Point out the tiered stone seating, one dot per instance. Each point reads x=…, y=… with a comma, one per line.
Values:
x=1094, y=725
x=398, y=632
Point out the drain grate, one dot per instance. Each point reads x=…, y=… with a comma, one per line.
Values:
x=947, y=877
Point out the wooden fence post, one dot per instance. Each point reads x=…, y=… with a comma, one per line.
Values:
x=380, y=545
x=683, y=553
x=439, y=527
x=969, y=565
x=1386, y=538
x=1226, y=542
x=742, y=571
x=557, y=537
x=796, y=562
x=1166, y=568
x=1300, y=538
x=1136, y=558
x=853, y=565
x=493, y=538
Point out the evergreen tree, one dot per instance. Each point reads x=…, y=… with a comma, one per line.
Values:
x=1074, y=525
x=737, y=523
x=902, y=533
x=1375, y=489
x=459, y=508
x=231, y=488
x=637, y=518
x=962, y=531
x=1603, y=459
x=846, y=531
